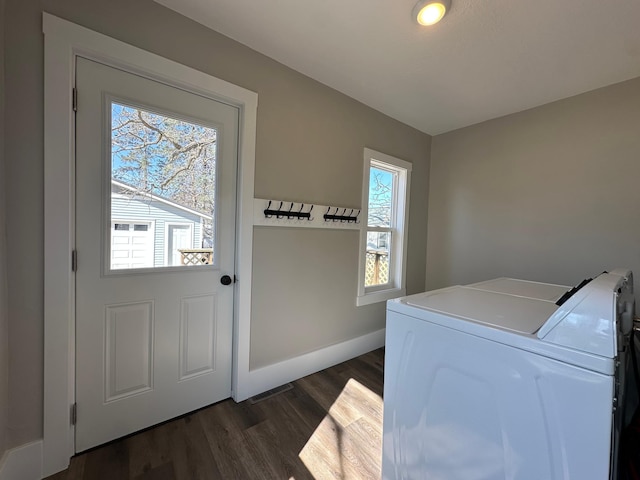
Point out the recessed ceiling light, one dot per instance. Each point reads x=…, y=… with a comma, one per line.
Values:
x=430, y=12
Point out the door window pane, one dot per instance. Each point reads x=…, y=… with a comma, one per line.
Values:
x=163, y=174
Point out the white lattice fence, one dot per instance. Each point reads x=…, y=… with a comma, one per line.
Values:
x=377, y=268
x=197, y=256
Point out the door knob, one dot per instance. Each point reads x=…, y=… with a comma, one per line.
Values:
x=225, y=280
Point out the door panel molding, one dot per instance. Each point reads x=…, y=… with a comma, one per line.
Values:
x=198, y=328
x=64, y=41
x=131, y=326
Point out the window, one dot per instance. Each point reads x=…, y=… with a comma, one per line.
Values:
x=385, y=200
x=162, y=169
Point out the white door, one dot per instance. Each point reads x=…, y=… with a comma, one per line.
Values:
x=179, y=237
x=152, y=343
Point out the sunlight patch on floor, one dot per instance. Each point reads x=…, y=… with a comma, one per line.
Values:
x=348, y=442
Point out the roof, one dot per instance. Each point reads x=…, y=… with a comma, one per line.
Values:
x=160, y=199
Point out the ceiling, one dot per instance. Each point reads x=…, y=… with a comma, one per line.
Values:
x=485, y=59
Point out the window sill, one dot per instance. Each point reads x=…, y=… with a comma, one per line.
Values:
x=381, y=296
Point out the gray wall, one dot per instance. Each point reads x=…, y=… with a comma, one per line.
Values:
x=309, y=147
x=24, y=189
x=549, y=194
x=4, y=332
x=311, y=303
x=305, y=281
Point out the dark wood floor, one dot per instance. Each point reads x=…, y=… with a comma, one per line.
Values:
x=329, y=426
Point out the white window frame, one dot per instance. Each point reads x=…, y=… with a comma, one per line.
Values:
x=398, y=250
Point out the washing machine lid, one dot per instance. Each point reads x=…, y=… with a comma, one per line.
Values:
x=587, y=323
x=523, y=288
x=510, y=312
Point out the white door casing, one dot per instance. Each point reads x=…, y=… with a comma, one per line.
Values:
x=65, y=41
x=151, y=344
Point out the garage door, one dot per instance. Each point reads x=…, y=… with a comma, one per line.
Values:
x=131, y=245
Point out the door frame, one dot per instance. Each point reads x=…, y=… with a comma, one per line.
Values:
x=64, y=42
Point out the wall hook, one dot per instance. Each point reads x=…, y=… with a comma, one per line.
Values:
x=292, y=213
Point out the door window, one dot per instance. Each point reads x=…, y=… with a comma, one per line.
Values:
x=163, y=173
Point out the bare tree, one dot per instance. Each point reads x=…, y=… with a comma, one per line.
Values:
x=164, y=156
x=380, y=194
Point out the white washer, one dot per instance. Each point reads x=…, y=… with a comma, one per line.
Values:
x=495, y=381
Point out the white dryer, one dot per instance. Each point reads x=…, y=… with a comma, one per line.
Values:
x=496, y=381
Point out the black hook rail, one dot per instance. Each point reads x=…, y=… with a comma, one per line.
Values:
x=289, y=214
x=343, y=216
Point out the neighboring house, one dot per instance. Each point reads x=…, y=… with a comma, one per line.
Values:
x=149, y=231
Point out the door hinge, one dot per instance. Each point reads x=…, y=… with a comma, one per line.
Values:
x=74, y=260
x=74, y=99
x=74, y=413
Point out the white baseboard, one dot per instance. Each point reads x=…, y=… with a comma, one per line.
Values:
x=23, y=462
x=271, y=376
